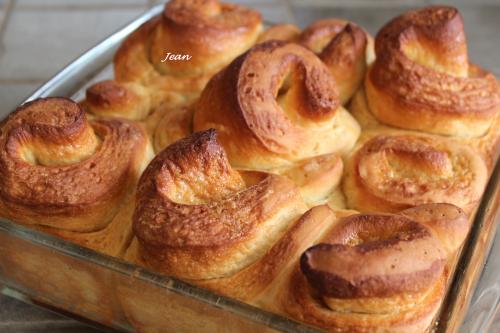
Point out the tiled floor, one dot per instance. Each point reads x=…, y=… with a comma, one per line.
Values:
x=38, y=37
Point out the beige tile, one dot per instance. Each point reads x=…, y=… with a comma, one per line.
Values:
x=12, y=94
x=78, y=3
x=391, y=3
x=483, y=35
x=359, y=3
x=257, y=2
x=39, y=43
x=3, y=12
x=272, y=10
x=465, y=3
x=2, y=16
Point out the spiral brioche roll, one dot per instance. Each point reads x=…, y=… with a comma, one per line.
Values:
x=389, y=173
x=317, y=178
x=63, y=173
x=110, y=98
x=487, y=145
x=233, y=232
x=342, y=46
x=174, y=54
x=422, y=79
x=376, y=272
x=194, y=25
x=196, y=219
x=275, y=105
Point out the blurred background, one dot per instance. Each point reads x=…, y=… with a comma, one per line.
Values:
x=40, y=37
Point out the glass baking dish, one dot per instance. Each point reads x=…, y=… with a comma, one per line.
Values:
x=48, y=271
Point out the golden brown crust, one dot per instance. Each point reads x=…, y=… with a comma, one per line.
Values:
x=113, y=239
x=341, y=45
x=374, y=272
x=318, y=179
x=207, y=32
x=394, y=172
x=422, y=79
x=240, y=232
x=253, y=283
x=367, y=256
x=164, y=65
x=302, y=303
x=487, y=145
x=195, y=219
x=110, y=98
x=212, y=31
x=275, y=105
x=59, y=170
x=447, y=222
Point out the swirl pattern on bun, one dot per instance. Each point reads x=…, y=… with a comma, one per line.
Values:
x=199, y=219
x=61, y=171
x=422, y=78
x=275, y=105
x=171, y=57
x=342, y=46
x=376, y=271
x=195, y=217
x=389, y=173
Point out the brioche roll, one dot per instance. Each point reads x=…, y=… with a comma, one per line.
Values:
x=375, y=272
x=170, y=58
x=196, y=219
x=110, y=99
x=422, y=78
x=199, y=219
x=342, y=46
x=174, y=125
x=487, y=145
x=391, y=172
x=66, y=175
x=318, y=178
x=275, y=105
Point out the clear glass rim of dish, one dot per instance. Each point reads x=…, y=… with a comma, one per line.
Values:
x=72, y=77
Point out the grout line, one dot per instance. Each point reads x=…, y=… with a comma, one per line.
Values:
x=22, y=81
x=3, y=24
x=362, y=4
x=7, y=9
x=290, y=10
x=62, y=7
